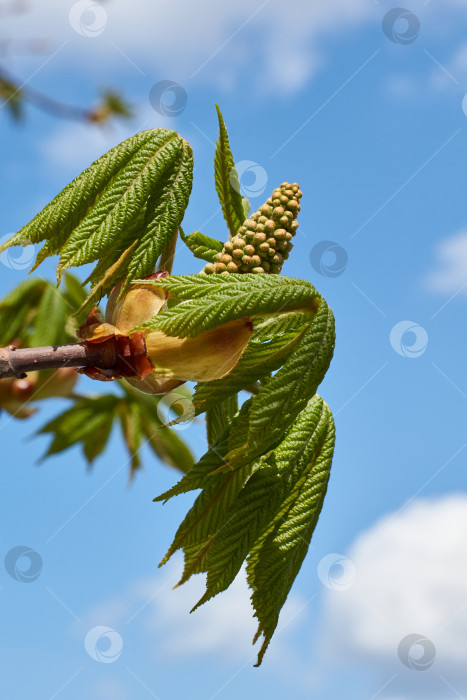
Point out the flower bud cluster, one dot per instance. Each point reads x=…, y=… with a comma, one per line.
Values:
x=263, y=242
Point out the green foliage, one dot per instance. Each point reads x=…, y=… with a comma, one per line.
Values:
x=219, y=416
x=226, y=179
x=264, y=512
x=137, y=192
x=88, y=422
x=264, y=475
x=212, y=300
x=112, y=104
x=37, y=313
x=91, y=418
x=202, y=246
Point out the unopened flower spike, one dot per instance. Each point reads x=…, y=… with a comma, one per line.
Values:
x=263, y=242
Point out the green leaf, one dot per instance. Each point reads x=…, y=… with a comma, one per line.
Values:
x=74, y=291
x=18, y=310
x=277, y=556
x=130, y=416
x=167, y=445
x=106, y=278
x=204, y=519
x=264, y=512
x=211, y=461
x=164, y=212
x=146, y=179
x=163, y=441
x=260, y=500
x=196, y=532
x=51, y=318
x=63, y=214
x=210, y=300
x=220, y=416
x=226, y=179
x=202, y=246
x=289, y=390
x=88, y=422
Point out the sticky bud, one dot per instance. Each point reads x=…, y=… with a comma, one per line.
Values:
x=152, y=361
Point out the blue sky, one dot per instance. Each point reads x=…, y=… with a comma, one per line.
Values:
x=371, y=124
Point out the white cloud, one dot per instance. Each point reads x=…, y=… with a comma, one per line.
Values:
x=411, y=578
x=275, y=48
x=450, y=274
x=223, y=628
x=215, y=42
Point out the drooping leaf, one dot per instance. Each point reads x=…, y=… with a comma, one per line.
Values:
x=264, y=512
x=201, y=523
x=129, y=413
x=167, y=445
x=277, y=556
x=89, y=422
x=289, y=390
x=37, y=313
x=211, y=463
x=146, y=179
x=226, y=179
x=163, y=441
x=205, y=517
x=260, y=500
x=164, y=212
x=18, y=310
x=51, y=318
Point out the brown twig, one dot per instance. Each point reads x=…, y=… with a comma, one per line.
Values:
x=15, y=362
x=42, y=101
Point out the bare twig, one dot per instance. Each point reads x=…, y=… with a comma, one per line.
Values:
x=15, y=362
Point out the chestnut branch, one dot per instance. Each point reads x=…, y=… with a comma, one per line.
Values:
x=15, y=362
